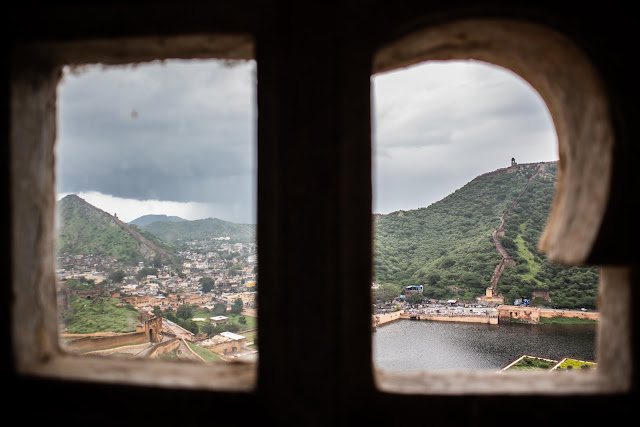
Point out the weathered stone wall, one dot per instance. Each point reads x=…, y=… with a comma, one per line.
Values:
x=525, y=314
x=588, y=315
x=380, y=319
x=447, y=318
x=164, y=347
x=91, y=343
x=226, y=347
x=153, y=328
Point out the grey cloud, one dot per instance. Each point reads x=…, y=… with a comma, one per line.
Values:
x=167, y=133
x=175, y=132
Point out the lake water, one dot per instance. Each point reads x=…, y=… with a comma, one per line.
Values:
x=406, y=345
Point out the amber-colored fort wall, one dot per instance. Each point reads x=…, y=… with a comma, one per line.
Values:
x=92, y=343
x=505, y=313
x=587, y=315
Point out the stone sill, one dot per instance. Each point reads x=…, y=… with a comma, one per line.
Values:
x=227, y=377
x=499, y=383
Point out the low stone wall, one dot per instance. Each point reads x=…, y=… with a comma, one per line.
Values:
x=588, y=315
x=491, y=320
x=380, y=319
x=164, y=347
x=92, y=343
x=519, y=313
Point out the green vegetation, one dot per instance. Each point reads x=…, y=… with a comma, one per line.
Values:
x=571, y=364
x=206, y=354
x=148, y=219
x=186, y=313
x=568, y=287
x=531, y=363
x=102, y=314
x=85, y=229
x=528, y=363
x=447, y=247
x=202, y=229
x=81, y=284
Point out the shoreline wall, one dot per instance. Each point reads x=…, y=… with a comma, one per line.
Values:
x=588, y=315
x=492, y=320
x=381, y=319
x=92, y=343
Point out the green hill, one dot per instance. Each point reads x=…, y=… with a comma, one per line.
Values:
x=202, y=229
x=448, y=247
x=85, y=229
x=148, y=219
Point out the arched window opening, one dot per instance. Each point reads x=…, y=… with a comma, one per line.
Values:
x=564, y=80
x=459, y=219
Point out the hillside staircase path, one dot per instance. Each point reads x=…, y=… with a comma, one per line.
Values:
x=507, y=261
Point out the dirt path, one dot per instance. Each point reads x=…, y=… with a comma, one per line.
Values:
x=507, y=261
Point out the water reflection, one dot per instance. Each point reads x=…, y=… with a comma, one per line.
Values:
x=406, y=345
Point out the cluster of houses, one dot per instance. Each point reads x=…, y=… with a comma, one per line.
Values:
x=167, y=289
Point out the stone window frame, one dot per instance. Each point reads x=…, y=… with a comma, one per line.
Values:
x=565, y=80
x=572, y=90
x=38, y=69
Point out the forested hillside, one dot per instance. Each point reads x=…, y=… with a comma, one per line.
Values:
x=202, y=229
x=568, y=287
x=448, y=248
x=85, y=229
x=148, y=219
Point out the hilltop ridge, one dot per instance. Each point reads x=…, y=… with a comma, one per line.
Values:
x=145, y=220
x=86, y=229
x=449, y=247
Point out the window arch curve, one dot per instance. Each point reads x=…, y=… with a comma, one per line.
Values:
x=569, y=85
x=588, y=211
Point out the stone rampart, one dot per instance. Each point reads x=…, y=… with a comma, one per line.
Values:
x=575, y=314
x=164, y=347
x=92, y=343
x=518, y=313
x=492, y=320
x=380, y=319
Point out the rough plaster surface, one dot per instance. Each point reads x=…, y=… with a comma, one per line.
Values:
x=563, y=78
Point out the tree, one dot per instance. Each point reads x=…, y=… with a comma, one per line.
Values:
x=146, y=271
x=433, y=278
x=209, y=329
x=386, y=292
x=219, y=308
x=170, y=315
x=207, y=284
x=416, y=298
x=190, y=326
x=117, y=276
x=236, y=307
x=158, y=261
x=184, y=311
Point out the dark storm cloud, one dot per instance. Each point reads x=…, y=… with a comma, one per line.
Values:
x=175, y=131
x=185, y=132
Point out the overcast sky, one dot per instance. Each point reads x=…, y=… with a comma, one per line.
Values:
x=178, y=138
x=439, y=125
